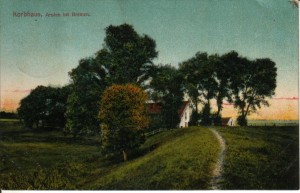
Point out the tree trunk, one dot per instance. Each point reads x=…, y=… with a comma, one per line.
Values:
x=242, y=118
x=197, y=115
x=125, y=155
x=208, y=103
x=247, y=110
x=196, y=107
x=243, y=110
x=219, y=105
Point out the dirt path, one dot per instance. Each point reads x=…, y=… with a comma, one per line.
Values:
x=217, y=173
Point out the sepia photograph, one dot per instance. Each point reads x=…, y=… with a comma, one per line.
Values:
x=149, y=95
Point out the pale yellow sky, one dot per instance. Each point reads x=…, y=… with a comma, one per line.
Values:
x=281, y=108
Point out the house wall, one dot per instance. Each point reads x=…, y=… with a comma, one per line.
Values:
x=185, y=118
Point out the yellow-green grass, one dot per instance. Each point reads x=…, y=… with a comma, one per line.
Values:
x=261, y=157
x=177, y=159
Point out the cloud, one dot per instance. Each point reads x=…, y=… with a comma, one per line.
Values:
x=286, y=98
x=227, y=104
x=9, y=104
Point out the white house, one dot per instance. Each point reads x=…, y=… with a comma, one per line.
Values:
x=185, y=113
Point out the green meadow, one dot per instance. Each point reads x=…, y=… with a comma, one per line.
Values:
x=179, y=159
x=261, y=158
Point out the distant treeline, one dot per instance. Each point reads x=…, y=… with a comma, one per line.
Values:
x=8, y=115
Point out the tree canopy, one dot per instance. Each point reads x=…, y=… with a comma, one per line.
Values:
x=245, y=83
x=200, y=81
x=44, y=106
x=167, y=88
x=252, y=82
x=126, y=56
x=82, y=105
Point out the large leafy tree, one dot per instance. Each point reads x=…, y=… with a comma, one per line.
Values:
x=87, y=84
x=223, y=72
x=167, y=88
x=252, y=82
x=126, y=56
x=123, y=116
x=200, y=81
x=44, y=106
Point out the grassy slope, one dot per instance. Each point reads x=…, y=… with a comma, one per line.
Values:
x=183, y=159
x=179, y=159
x=261, y=158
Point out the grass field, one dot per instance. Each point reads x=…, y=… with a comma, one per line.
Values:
x=178, y=159
x=261, y=158
x=41, y=159
x=182, y=159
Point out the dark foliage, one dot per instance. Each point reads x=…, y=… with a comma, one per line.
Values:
x=126, y=57
x=82, y=105
x=44, y=106
x=167, y=88
x=8, y=115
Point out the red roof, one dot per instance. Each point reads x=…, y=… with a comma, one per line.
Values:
x=154, y=108
x=181, y=109
x=225, y=121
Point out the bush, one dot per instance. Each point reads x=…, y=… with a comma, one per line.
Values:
x=123, y=118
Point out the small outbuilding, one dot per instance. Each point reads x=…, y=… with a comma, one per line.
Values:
x=228, y=121
x=232, y=122
x=225, y=121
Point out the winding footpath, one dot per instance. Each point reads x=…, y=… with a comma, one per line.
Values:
x=217, y=172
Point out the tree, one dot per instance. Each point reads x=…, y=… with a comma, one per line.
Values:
x=123, y=116
x=126, y=56
x=87, y=85
x=200, y=81
x=56, y=107
x=252, y=82
x=223, y=72
x=167, y=88
x=205, y=114
x=44, y=106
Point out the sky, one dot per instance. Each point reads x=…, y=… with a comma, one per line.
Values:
x=42, y=50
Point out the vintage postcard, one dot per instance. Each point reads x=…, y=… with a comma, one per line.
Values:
x=149, y=95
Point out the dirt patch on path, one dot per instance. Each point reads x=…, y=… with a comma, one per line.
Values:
x=217, y=172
